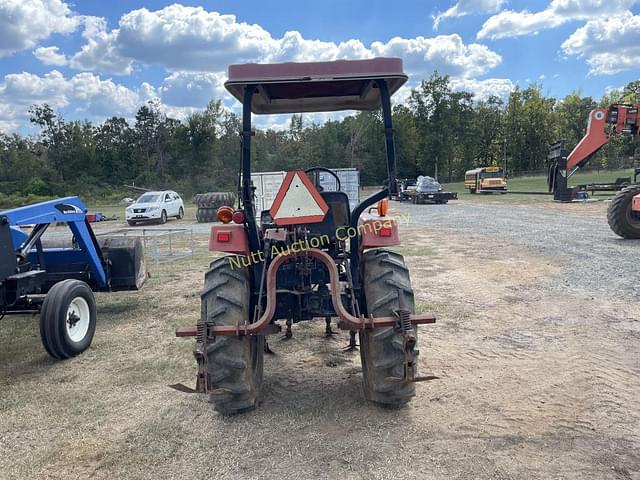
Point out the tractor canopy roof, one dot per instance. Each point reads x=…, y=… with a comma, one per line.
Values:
x=316, y=86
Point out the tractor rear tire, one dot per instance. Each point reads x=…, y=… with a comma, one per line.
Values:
x=387, y=287
x=622, y=220
x=68, y=319
x=234, y=364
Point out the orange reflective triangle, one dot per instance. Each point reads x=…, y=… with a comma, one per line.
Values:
x=298, y=201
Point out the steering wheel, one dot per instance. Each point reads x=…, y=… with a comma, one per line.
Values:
x=330, y=172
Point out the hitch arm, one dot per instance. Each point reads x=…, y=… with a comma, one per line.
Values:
x=355, y=323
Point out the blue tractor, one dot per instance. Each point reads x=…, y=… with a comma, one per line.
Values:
x=58, y=281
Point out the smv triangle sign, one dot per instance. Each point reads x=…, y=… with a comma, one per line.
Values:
x=298, y=201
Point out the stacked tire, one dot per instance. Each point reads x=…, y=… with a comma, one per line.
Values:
x=208, y=204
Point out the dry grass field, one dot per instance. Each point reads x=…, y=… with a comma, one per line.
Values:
x=539, y=375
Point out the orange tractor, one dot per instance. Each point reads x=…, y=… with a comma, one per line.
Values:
x=623, y=213
x=310, y=255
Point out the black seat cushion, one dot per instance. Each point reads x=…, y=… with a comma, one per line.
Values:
x=337, y=216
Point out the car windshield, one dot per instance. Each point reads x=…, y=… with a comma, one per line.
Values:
x=149, y=198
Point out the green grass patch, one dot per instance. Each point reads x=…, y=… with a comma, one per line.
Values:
x=538, y=183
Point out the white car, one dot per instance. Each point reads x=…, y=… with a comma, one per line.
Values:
x=155, y=206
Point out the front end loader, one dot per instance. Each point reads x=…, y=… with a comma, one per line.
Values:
x=310, y=255
x=57, y=280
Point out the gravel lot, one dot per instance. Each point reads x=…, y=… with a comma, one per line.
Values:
x=577, y=236
x=536, y=350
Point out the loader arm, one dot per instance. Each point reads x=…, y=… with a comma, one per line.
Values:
x=105, y=263
x=621, y=119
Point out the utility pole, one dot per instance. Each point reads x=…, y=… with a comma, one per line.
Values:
x=504, y=152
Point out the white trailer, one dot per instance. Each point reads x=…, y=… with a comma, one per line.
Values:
x=267, y=185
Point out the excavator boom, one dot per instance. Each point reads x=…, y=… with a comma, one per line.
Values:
x=603, y=122
x=619, y=118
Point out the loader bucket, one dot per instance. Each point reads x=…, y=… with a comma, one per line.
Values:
x=125, y=258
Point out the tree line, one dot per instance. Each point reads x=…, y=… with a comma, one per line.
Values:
x=438, y=130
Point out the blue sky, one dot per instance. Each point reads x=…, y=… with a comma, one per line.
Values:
x=94, y=59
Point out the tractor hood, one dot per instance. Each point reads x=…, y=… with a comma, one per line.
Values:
x=316, y=86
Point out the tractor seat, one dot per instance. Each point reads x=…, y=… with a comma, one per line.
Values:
x=337, y=216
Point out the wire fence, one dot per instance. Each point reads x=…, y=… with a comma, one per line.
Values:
x=160, y=244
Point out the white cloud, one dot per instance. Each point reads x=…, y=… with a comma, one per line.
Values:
x=100, y=53
x=181, y=38
x=50, y=56
x=195, y=46
x=293, y=47
x=102, y=97
x=7, y=126
x=483, y=89
x=188, y=89
x=23, y=89
x=93, y=97
x=468, y=7
x=8, y=120
x=509, y=23
x=23, y=23
x=609, y=45
x=446, y=53
x=176, y=37
x=609, y=89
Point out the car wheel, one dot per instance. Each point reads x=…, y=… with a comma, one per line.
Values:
x=163, y=217
x=180, y=214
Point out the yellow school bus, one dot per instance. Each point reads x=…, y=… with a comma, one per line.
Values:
x=485, y=179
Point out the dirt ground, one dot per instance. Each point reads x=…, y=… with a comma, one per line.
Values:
x=535, y=380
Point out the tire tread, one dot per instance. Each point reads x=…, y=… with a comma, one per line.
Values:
x=387, y=287
x=235, y=386
x=617, y=213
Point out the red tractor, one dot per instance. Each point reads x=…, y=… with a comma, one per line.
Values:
x=310, y=255
x=623, y=213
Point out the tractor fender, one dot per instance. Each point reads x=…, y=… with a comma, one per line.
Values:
x=378, y=231
x=229, y=238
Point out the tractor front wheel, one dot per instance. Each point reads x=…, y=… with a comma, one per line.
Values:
x=68, y=319
x=234, y=364
x=387, y=288
x=622, y=220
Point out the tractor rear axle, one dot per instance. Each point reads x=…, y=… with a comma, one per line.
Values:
x=353, y=322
